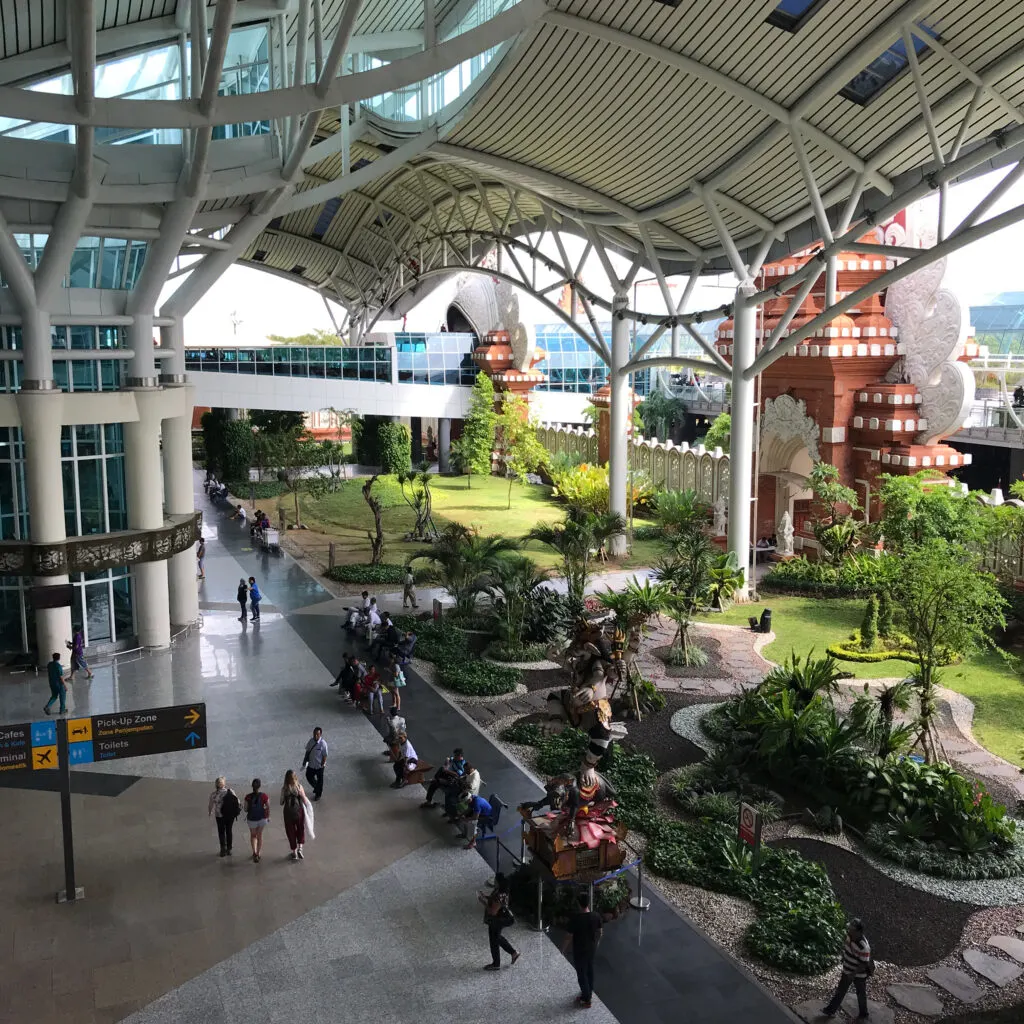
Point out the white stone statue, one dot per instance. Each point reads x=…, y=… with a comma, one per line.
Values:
x=786, y=535
x=718, y=511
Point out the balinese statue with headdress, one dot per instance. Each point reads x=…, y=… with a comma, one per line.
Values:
x=593, y=666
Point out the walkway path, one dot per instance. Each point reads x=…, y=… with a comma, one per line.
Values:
x=379, y=923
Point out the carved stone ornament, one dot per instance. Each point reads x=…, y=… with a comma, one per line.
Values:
x=785, y=535
x=719, y=517
x=100, y=551
x=786, y=417
x=932, y=331
x=509, y=320
x=476, y=299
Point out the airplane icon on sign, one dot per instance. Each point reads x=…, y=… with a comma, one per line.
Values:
x=43, y=757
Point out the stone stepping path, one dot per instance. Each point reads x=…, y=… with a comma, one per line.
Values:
x=999, y=972
x=810, y=1010
x=1009, y=945
x=921, y=999
x=958, y=984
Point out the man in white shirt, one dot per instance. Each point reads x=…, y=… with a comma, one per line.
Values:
x=406, y=760
x=354, y=614
x=315, y=762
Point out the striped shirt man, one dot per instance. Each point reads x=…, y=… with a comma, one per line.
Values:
x=856, y=956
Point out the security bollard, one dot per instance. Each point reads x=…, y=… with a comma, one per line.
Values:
x=639, y=901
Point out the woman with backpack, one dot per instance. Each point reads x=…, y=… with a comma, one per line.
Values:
x=497, y=917
x=294, y=802
x=225, y=808
x=242, y=596
x=257, y=814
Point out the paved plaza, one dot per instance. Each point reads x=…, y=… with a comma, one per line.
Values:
x=380, y=922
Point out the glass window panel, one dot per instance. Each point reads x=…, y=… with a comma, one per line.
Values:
x=136, y=261
x=83, y=338
x=113, y=438
x=117, y=496
x=350, y=369
x=91, y=496
x=83, y=376
x=97, y=613
x=58, y=337
x=110, y=374
x=124, y=620
x=83, y=263
x=60, y=375
x=65, y=442
x=88, y=438
x=112, y=265
x=67, y=473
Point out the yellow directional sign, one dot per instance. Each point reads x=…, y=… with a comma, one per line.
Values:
x=44, y=757
x=192, y=716
x=79, y=730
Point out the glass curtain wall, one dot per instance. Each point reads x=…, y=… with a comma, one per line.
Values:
x=69, y=374
x=156, y=73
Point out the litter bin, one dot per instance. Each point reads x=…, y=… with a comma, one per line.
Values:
x=766, y=620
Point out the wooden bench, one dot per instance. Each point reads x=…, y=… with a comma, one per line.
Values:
x=419, y=773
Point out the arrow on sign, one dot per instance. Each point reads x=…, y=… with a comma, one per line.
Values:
x=193, y=738
x=192, y=717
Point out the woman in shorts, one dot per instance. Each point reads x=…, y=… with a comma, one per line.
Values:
x=257, y=814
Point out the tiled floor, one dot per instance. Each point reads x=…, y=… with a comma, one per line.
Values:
x=379, y=923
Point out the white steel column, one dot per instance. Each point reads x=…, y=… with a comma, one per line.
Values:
x=37, y=370
x=146, y=512
x=619, y=413
x=142, y=367
x=40, y=413
x=741, y=466
x=179, y=499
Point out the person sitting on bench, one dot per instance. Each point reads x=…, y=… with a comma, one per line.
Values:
x=387, y=637
x=356, y=613
x=447, y=776
x=405, y=646
x=406, y=762
x=468, y=787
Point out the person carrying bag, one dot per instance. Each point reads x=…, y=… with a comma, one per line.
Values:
x=498, y=916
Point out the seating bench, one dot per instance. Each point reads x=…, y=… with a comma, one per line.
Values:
x=419, y=773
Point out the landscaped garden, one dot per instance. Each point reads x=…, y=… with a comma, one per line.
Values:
x=845, y=731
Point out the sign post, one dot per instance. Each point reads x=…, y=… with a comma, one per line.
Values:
x=70, y=892
x=63, y=742
x=750, y=830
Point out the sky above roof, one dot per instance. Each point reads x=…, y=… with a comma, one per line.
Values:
x=247, y=304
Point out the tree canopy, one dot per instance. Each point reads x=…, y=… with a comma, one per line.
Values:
x=312, y=339
x=472, y=451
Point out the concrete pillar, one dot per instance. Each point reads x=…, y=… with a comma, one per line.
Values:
x=619, y=413
x=146, y=512
x=416, y=430
x=142, y=365
x=444, y=444
x=172, y=369
x=179, y=499
x=741, y=468
x=40, y=413
x=37, y=368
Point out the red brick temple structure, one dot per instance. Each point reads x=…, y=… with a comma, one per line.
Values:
x=875, y=391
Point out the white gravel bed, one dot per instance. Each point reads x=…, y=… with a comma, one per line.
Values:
x=541, y=665
x=686, y=723
x=989, y=892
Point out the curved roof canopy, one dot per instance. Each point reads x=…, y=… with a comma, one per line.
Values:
x=404, y=137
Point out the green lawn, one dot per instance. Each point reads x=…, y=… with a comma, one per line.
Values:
x=803, y=624
x=344, y=517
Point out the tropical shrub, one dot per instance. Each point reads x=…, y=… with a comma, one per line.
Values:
x=854, y=576
x=869, y=625
x=394, y=447
x=561, y=753
x=386, y=573
x=788, y=729
x=525, y=733
x=548, y=616
x=584, y=486
x=896, y=647
x=474, y=677
x=800, y=923
x=501, y=650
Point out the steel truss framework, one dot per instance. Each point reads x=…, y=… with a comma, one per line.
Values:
x=431, y=205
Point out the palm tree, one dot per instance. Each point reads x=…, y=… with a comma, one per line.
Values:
x=874, y=717
x=687, y=573
x=577, y=540
x=513, y=582
x=681, y=512
x=464, y=562
x=726, y=579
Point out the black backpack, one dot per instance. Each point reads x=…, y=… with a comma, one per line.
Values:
x=229, y=806
x=293, y=809
x=255, y=807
